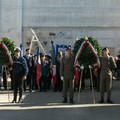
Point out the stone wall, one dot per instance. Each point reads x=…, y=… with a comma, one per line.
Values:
x=69, y=19
x=11, y=19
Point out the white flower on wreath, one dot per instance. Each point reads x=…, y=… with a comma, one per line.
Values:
x=86, y=38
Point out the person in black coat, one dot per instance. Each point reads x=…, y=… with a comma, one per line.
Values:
x=44, y=74
x=59, y=82
x=20, y=71
x=29, y=59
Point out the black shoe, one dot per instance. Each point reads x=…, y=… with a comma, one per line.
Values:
x=101, y=101
x=54, y=90
x=44, y=90
x=109, y=101
x=71, y=101
x=60, y=90
x=65, y=100
x=20, y=101
x=24, y=90
x=40, y=90
x=14, y=101
x=30, y=90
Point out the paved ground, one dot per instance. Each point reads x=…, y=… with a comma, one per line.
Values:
x=48, y=106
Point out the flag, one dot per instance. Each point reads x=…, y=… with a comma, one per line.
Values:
x=53, y=54
x=38, y=69
x=53, y=65
x=77, y=73
x=53, y=75
x=21, y=47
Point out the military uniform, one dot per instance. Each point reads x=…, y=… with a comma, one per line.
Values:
x=107, y=65
x=67, y=71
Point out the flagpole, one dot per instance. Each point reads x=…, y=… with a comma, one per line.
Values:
x=81, y=75
x=38, y=79
x=38, y=68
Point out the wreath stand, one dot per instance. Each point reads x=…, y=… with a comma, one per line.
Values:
x=7, y=76
x=79, y=92
x=78, y=59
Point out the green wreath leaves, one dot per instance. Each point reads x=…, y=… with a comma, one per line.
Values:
x=87, y=57
x=9, y=44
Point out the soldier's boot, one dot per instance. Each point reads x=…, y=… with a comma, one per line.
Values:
x=109, y=101
x=102, y=100
x=65, y=100
x=71, y=101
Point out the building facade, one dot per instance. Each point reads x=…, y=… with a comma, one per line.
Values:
x=68, y=19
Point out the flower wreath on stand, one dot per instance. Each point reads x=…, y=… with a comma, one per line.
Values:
x=87, y=51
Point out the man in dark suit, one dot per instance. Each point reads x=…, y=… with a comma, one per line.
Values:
x=44, y=74
x=29, y=60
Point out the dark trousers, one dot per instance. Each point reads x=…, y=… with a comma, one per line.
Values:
x=34, y=83
x=29, y=80
x=68, y=86
x=43, y=83
x=4, y=81
x=59, y=84
x=49, y=81
x=11, y=76
x=17, y=85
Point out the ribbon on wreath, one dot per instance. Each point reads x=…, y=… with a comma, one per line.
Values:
x=86, y=43
x=4, y=48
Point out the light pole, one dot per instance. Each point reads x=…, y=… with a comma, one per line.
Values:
x=52, y=36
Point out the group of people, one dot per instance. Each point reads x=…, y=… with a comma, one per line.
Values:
x=24, y=74
x=106, y=68
x=27, y=66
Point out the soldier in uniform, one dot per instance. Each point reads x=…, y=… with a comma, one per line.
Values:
x=67, y=73
x=20, y=71
x=107, y=65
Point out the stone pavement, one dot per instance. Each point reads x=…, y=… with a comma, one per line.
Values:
x=49, y=106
